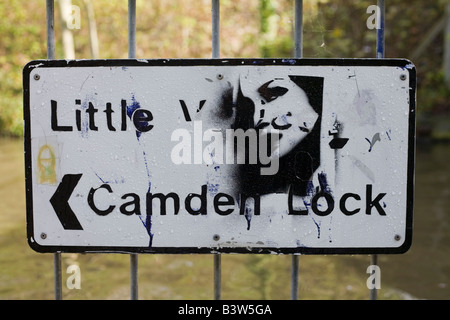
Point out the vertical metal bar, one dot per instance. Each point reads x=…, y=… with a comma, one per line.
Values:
x=374, y=262
x=217, y=276
x=215, y=14
x=50, y=11
x=298, y=53
x=132, y=29
x=50, y=29
x=57, y=275
x=298, y=29
x=215, y=29
x=446, y=64
x=294, y=277
x=380, y=55
x=134, y=276
x=132, y=55
x=380, y=29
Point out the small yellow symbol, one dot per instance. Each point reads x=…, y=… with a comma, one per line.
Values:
x=46, y=162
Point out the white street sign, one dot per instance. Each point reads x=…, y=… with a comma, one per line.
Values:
x=199, y=156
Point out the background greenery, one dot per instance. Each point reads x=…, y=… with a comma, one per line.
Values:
x=264, y=28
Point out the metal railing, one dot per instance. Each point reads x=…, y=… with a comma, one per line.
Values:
x=215, y=12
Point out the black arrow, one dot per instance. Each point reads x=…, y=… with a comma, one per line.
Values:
x=60, y=202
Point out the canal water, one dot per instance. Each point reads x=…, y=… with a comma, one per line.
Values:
x=422, y=273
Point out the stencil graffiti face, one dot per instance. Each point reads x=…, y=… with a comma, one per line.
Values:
x=281, y=105
x=290, y=105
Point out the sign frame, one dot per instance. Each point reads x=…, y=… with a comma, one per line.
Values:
x=406, y=65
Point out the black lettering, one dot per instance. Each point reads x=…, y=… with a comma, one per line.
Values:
x=187, y=117
x=109, y=112
x=202, y=197
x=344, y=199
x=375, y=202
x=78, y=115
x=292, y=211
x=136, y=203
x=141, y=119
x=124, y=115
x=330, y=203
x=78, y=119
x=257, y=201
x=92, y=204
x=91, y=111
x=162, y=199
x=54, y=118
x=228, y=202
x=200, y=105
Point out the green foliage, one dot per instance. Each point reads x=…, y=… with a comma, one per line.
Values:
x=11, y=116
x=20, y=40
x=437, y=96
x=275, y=29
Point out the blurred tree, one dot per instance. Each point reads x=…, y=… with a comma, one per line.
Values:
x=22, y=30
x=275, y=31
x=65, y=13
x=93, y=38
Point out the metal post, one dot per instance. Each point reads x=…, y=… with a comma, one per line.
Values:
x=298, y=29
x=132, y=55
x=373, y=291
x=50, y=29
x=294, y=277
x=217, y=276
x=132, y=29
x=215, y=29
x=446, y=64
x=57, y=275
x=380, y=55
x=298, y=53
x=215, y=14
x=134, y=276
x=50, y=9
x=380, y=30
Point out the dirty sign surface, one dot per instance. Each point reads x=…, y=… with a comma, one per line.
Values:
x=198, y=156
